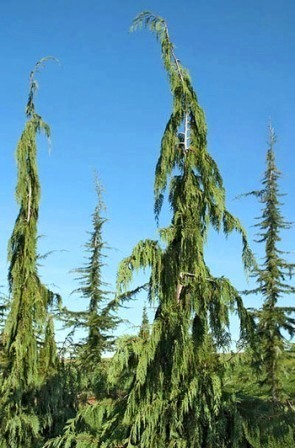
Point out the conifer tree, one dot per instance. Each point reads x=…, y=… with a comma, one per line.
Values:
x=175, y=396
x=20, y=421
x=144, y=331
x=273, y=321
x=98, y=320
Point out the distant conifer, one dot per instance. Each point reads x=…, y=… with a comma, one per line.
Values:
x=99, y=319
x=274, y=322
x=144, y=331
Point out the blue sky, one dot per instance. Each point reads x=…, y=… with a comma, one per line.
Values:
x=107, y=105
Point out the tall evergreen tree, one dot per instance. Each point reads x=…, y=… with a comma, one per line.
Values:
x=20, y=422
x=99, y=319
x=273, y=321
x=175, y=396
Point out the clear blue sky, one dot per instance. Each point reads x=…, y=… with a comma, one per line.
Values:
x=107, y=105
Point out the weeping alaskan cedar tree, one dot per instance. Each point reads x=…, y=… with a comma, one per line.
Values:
x=29, y=361
x=274, y=322
x=175, y=395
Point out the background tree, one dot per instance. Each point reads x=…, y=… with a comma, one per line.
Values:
x=144, y=330
x=99, y=320
x=274, y=322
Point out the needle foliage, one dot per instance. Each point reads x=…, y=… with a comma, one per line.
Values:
x=273, y=278
x=26, y=333
x=174, y=395
x=99, y=319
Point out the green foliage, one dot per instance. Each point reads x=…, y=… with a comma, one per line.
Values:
x=28, y=341
x=173, y=380
x=144, y=331
x=170, y=386
x=56, y=395
x=273, y=321
x=99, y=319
